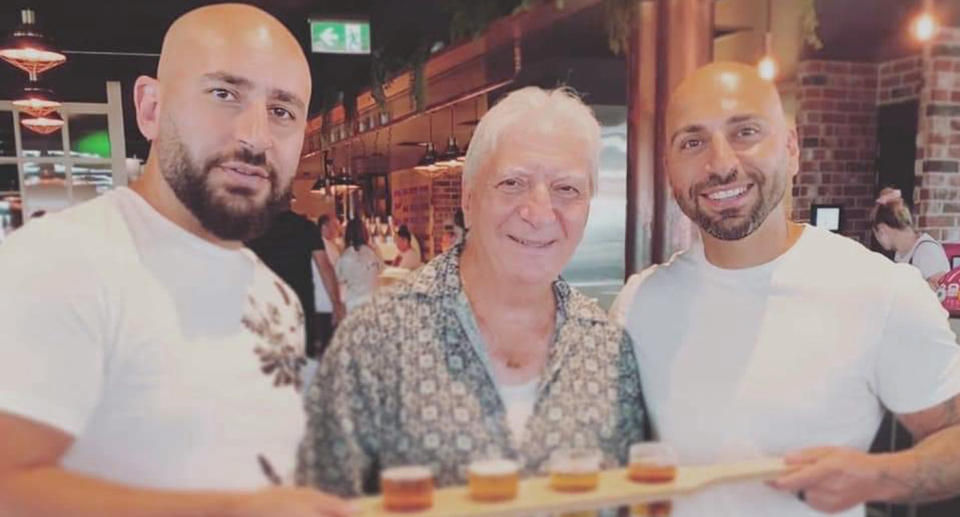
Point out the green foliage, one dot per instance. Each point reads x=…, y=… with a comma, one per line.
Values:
x=809, y=23
x=618, y=17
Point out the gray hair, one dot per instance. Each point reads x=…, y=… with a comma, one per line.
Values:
x=560, y=109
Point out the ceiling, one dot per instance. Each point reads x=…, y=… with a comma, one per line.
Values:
x=850, y=29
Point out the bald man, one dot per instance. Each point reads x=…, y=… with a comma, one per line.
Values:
x=772, y=338
x=154, y=370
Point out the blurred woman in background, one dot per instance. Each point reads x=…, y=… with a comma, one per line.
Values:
x=894, y=230
x=358, y=266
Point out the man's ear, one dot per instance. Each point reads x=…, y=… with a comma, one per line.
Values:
x=793, y=151
x=146, y=101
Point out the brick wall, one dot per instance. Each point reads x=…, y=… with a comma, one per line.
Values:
x=900, y=80
x=937, y=196
x=836, y=121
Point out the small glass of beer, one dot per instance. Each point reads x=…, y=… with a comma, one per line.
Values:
x=652, y=462
x=654, y=509
x=407, y=489
x=493, y=480
x=574, y=470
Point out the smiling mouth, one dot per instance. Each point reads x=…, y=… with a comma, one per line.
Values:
x=729, y=194
x=528, y=243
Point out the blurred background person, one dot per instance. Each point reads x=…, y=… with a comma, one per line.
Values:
x=358, y=266
x=893, y=227
x=292, y=246
x=323, y=305
x=408, y=256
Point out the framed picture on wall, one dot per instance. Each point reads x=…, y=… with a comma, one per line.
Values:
x=829, y=217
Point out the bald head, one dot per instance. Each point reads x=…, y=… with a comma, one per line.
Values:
x=231, y=29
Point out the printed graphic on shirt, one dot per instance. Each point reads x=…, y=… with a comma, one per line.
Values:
x=281, y=342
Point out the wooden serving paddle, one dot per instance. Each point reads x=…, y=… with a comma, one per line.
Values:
x=615, y=489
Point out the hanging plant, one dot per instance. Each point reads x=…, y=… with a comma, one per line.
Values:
x=809, y=23
x=619, y=15
x=378, y=80
x=418, y=90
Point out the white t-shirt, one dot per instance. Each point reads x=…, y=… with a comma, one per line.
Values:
x=800, y=352
x=358, y=271
x=519, y=399
x=321, y=298
x=162, y=354
x=927, y=255
x=410, y=259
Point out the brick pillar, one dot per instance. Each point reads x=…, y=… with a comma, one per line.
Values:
x=836, y=121
x=937, y=196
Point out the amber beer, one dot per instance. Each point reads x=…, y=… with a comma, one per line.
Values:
x=407, y=489
x=574, y=470
x=652, y=462
x=651, y=472
x=493, y=480
x=655, y=509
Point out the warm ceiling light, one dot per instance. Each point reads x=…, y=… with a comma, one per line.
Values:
x=43, y=125
x=28, y=49
x=36, y=100
x=925, y=27
x=767, y=68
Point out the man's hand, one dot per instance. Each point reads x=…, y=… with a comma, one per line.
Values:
x=833, y=479
x=291, y=502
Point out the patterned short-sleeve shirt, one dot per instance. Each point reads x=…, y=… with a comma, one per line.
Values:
x=404, y=383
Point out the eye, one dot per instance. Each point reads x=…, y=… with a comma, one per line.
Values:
x=748, y=131
x=511, y=185
x=282, y=113
x=569, y=191
x=222, y=94
x=688, y=144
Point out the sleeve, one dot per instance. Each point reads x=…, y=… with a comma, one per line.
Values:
x=52, y=343
x=917, y=362
x=338, y=452
x=621, y=304
x=632, y=426
x=930, y=259
x=314, y=235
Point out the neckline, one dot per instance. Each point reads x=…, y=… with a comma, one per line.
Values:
x=701, y=257
x=174, y=230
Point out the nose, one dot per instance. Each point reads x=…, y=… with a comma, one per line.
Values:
x=723, y=158
x=253, y=128
x=537, y=208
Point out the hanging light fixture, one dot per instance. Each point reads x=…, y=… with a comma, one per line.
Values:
x=767, y=66
x=36, y=100
x=925, y=25
x=44, y=125
x=452, y=152
x=321, y=186
x=28, y=49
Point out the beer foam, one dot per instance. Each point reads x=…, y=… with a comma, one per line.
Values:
x=407, y=473
x=498, y=467
x=575, y=461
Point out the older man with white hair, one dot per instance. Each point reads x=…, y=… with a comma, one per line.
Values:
x=485, y=351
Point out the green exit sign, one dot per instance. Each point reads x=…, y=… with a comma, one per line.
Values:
x=340, y=36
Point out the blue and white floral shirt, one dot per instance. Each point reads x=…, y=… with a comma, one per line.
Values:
x=406, y=381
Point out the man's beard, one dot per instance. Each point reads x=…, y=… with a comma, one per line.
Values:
x=231, y=213
x=730, y=224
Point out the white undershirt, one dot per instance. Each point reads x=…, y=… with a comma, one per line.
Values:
x=518, y=399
